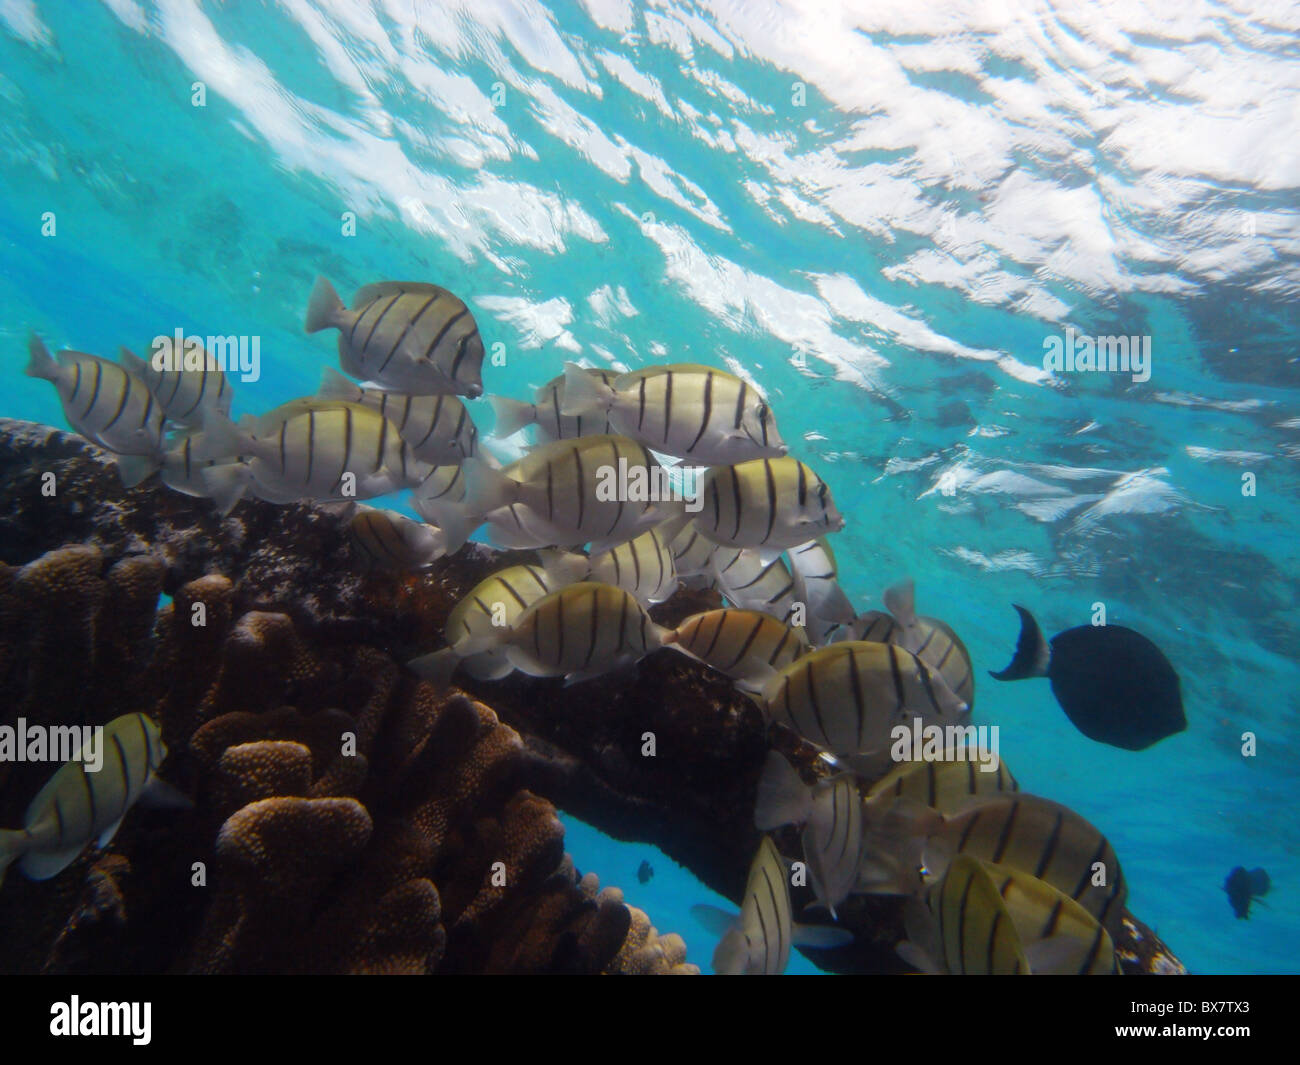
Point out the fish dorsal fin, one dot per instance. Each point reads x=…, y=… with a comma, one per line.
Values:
x=369, y=293
x=1033, y=653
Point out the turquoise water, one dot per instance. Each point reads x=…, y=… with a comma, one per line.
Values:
x=878, y=212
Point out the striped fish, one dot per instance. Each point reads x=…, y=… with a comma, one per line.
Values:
x=311, y=456
x=643, y=566
x=929, y=639
x=747, y=645
x=848, y=696
x=184, y=395
x=581, y=631
x=77, y=806
x=478, y=625
x=1059, y=936
x=968, y=929
x=692, y=554
x=749, y=583
x=388, y=540
x=101, y=400
x=816, y=585
x=181, y=469
x=405, y=336
x=567, y=493
x=513, y=415
x=438, y=428
x=767, y=503
x=1044, y=839
x=692, y=412
x=831, y=814
x=946, y=786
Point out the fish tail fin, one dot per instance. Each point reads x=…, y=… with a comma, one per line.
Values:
x=226, y=485
x=565, y=567
x=12, y=846
x=324, y=307
x=220, y=438
x=40, y=363
x=783, y=798
x=583, y=393
x=900, y=600
x=1033, y=653
x=133, y=469
x=486, y=488
x=334, y=385
x=512, y=415
x=455, y=521
x=437, y=668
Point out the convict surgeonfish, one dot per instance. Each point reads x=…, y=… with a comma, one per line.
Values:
x=1042, y=838
x=830, y=812
x=104, y=402
x=758, y=942
x=767, y=503
x=513, y=415
x=181, y=468
x=692, y=555
x=595, y=489
x=931, y=640
x=991, y=919
x=438, y=427
x=580, y=632
x=817, y=586
x=1114, y=684
x=946, y=785
x=185, y=395
x=748, y=646
x=642, y=566
x=748, y=582
x=332, y=451
x=708, y=416
x=78, y=805
x=477, y=625
x=392, y=541
x=848, y=697
x=405, y=336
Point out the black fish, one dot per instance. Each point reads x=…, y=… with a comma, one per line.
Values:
x=1113, y=683
x=645, y=872
x=1243, y=886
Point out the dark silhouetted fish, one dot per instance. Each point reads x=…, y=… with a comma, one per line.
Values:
x=1242, y=886
x=1113, y=683
x=645, y=872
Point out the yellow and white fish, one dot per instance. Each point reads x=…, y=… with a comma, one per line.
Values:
x=748, y=582
x=184, y=395
x=513, y=415
x=816, y=585
x=478, y=625
x=438, y=427
x=692, y=554
x=78, y=806
x=595, y=489
x=767, y=503
x=406, y=336
x=847, y=697
x=831, y=815
x=330, y=451
x=747, y=645
x=758, y=942
x=693, y=412
x=392, y=541
x=103, y=401
x=642, y=566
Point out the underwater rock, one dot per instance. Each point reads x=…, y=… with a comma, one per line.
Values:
x=288, y=715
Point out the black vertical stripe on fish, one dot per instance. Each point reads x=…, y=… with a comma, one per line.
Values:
x=121, y=403
x=94, y=395
x=708, y=411
x=636, y=563
x=723, y=616
x=929, y=689
x=835, y=823
x=762, y=422
x=311, y=444
x=925, y=643
x=892, y=655
x=660, y=547
x=383, y=441
x=803, y=485
x=668, y=403
x=378, y=318
x=855, y=683
x=559, y=627
x=1053, y=918
x=148, y=743
x=347, y=442
x=961, y=925
x=1052, y=842
x=76, y=385
x=740, y=404
x=595, y=622
x=462, y=346
x=618, y=567
x=405, y=330
x=810, y=673
x=550, y=491
x=90, y=794
x=203, y=386
x=744, y=648
x=178, y=379
x=148, y=409
x=185, y=450
x=428, y=352
x=640, y=417
x=1084, y=880
x=780, y=647
x=1004, y=837
x=771, y=500
x=622, y=622
x=581, y=491
x=460, y=424
x=966, y=832
x=1094, y=950
x=735, y=495
x=776, y=911
x=284, y=426
x=126, y=777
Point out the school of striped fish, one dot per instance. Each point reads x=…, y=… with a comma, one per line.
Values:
x=995, y=881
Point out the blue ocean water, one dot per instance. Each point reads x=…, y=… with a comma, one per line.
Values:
x=878, y=212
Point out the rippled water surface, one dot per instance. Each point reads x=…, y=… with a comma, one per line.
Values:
x=879, y=212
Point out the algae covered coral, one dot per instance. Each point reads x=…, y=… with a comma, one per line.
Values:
x=348, y=817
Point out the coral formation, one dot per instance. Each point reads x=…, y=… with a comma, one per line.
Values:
x=348, y=818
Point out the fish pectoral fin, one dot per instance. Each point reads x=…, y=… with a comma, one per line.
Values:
x=819, y=936
x=713, y=919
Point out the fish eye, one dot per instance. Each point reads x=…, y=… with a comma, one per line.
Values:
x=762, y=412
